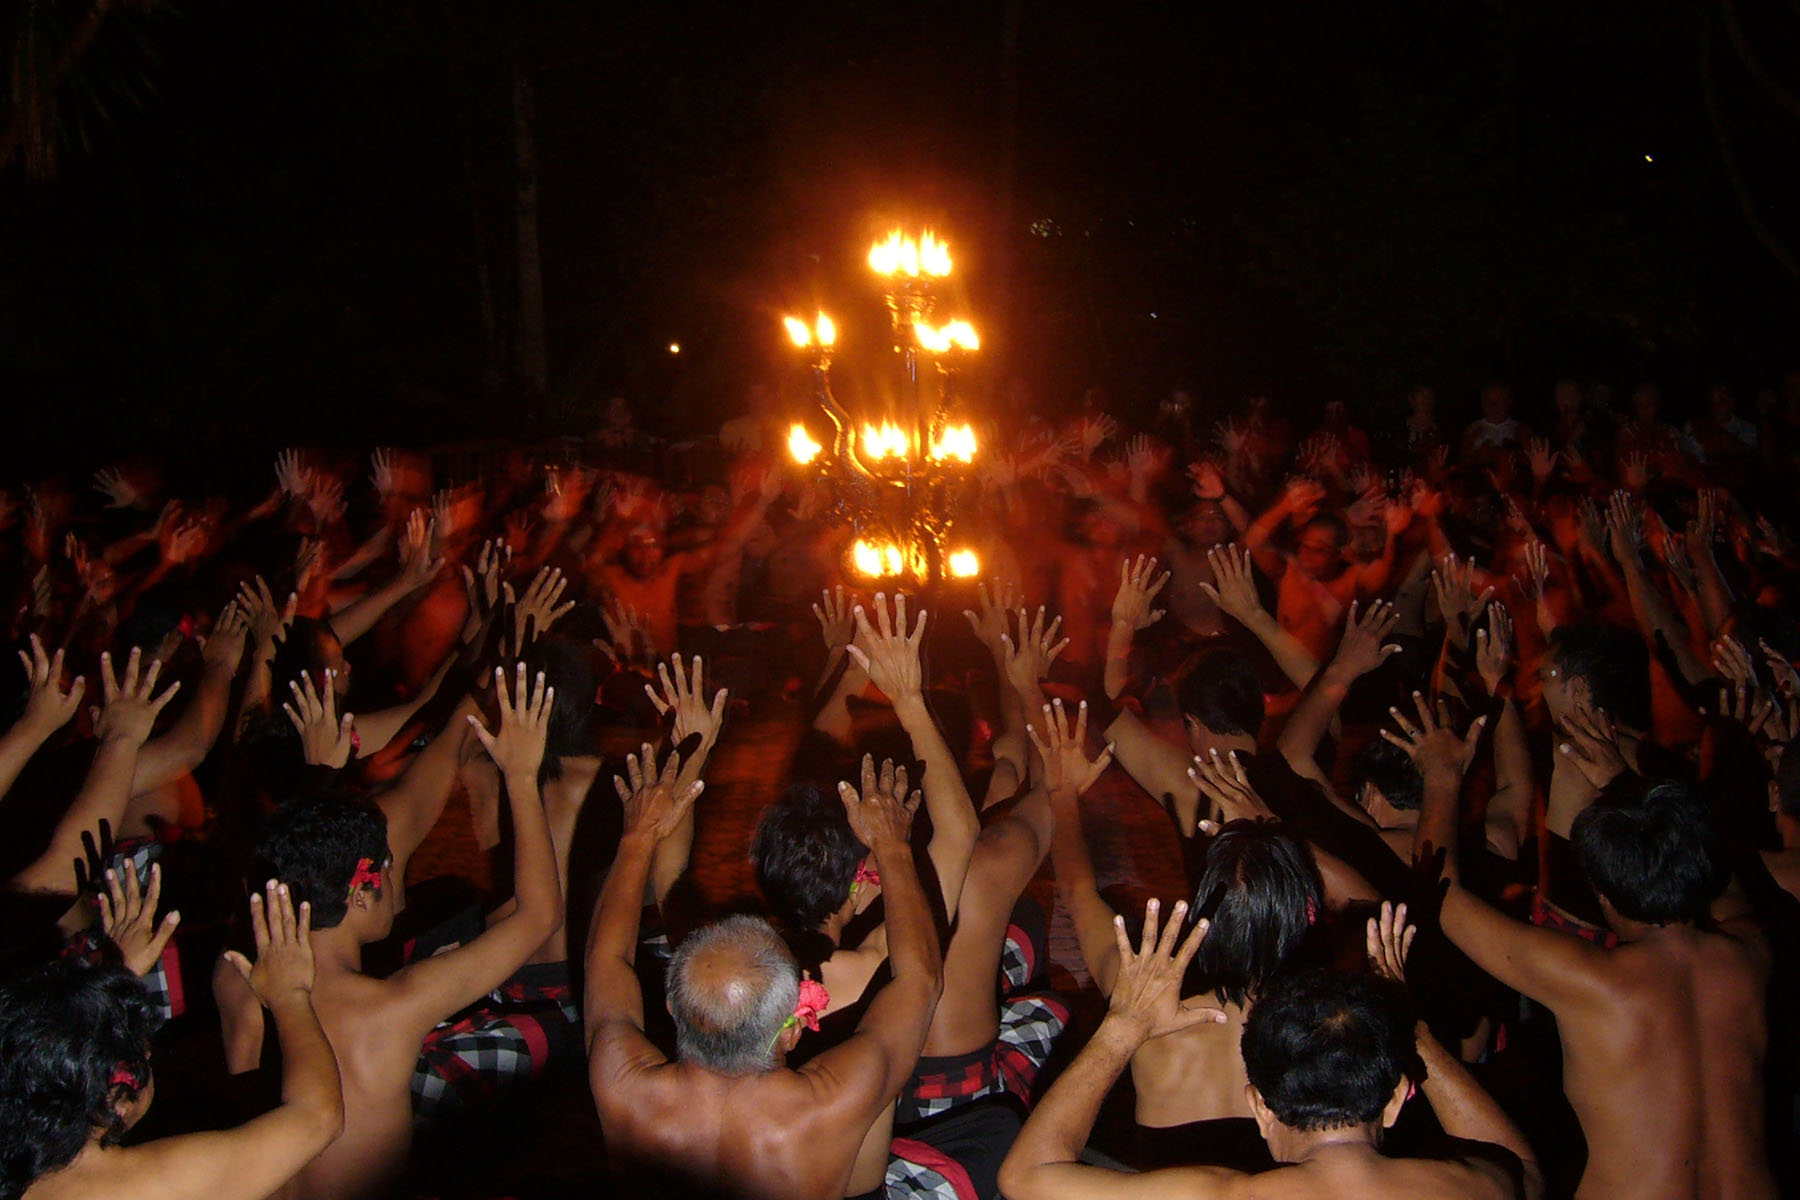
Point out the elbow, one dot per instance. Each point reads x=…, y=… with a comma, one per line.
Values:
x=1016, y=1176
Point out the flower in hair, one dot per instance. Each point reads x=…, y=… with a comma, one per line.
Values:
x=124, y=1076
x=865, y=873
x=367, y=875
x=813, y=1001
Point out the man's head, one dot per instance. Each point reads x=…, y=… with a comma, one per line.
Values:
x=1601, y=666
x=1391, y=788
x=332, y=852
x=732, y=986
x=1568, y=399
x=1652, y=858
x=1204, y=524
x=1646, y=403
x=806, y=857
x=74, y=1064
x=1422, y=401
x=1325, y=1050
x=566, y=667
x=310, y=647
x=1320, y=549
x=1496, y=402
x=1268, y=897
x=1220, y=696
x=643, y=554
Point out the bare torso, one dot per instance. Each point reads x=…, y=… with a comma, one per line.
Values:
x=375, y=1060
x=1194, y=1075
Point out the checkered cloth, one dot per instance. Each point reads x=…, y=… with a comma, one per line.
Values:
x=1030, y=1022
x=955, y=1157
x=89, y=946
x=514, y=1033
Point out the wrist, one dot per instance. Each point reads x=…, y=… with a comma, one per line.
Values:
x=521, y=780
x=296, y=999
x=1121, y=1033
x=910, y=706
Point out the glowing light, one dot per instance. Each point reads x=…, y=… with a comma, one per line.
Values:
x=1649, y=158
x=798, y=331
x=900, y=255
x=939, y=340
x=876, y=561
x=826, y=331
x=674, y=347
x=964, y=564
x=801, y=445
x=957, y=441
x=886, y=441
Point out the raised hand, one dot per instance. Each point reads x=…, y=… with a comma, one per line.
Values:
x=684, y=695
x=1146, y=993
x=1222, y=779
x=326, y=499
x=887, y=652
x=1433, y=745
x=131, y=704
x=1540, y=457
x=418, y=562
x=48, y=707
x=837, y=621
x=1494, y=649
x=1453, y=583
x=655, y=804
x=1028, y=660
x=627, y=640
x=119, y=491
x=293, y=477
x=128, y=917
x=882, y=812
x=1093, y=431
x=1208, y=483
x=1138, y=586
x=224, y=646
x=1064, y=750
x=267, y=619
x=1623, y=534
x=990, y=624
x=326, y=739
x=1233, y=587
x=1787, y=680
x=1634, y=470
x=1363, y=646
x=538, y=610
x=483, y=583
x=381, y=472
x=517, y=748
x=1389, y=940
x=284, y=956
x=1228, y=437
x=1740, y=690
x=1592, y=745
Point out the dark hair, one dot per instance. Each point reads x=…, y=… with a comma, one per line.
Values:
x=64, y=1030
x=1266, y=885
x=1329, y=520
x=1327, y=1049
x=730, y=1024
x=1655, y=856
x=805, y=856
x=567, y=669
x=1614, y=663
x=1391, y=769
x=301, y=651
x=314, y=845
x=1223, y=692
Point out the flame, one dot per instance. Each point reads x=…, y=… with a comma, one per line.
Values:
x=826, y=331
x=888, y=441
x=801, y=445
x=876, y=560
x=797, y=330
x=964, y=564
x=959, y=334
x=957, y=441
x=901, y=255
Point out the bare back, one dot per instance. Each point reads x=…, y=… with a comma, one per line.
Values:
x=1667, y=1080
x=1196, y=1074
x=1354, y=1170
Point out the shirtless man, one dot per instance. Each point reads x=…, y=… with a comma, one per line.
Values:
x=1664, y=1037
x=1325, y=1059
x=75, y=1075
x=727, y=1117
x=334, y=853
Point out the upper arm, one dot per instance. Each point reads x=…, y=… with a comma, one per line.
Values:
x=1556, y=969
x=875, y=1062
x=246, y=1163
x=1157, y=767
x=434, y=988
x=1059, y=1180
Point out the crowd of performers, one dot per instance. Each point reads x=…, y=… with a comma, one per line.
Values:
x=1476, y=746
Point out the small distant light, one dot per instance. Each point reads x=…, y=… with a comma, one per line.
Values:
x=1649, y=158
x=1153, y=316
x=674, y=347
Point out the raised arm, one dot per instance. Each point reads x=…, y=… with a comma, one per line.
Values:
x=1145, y=1004
x=436, y=987
x=1068, y=774
x=1649, y=606
x=1508, y=816
x=418, y=565
x=1131, y=613
x=47, y=709
x=1360, y=650
x=1234, y=591
x=890, y=656
x=124, y=724
x=1463, y=1109
x=257, y=1158
x=684, y=695
x=186, y=743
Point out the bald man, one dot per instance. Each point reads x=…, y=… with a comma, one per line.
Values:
x=727, y=1117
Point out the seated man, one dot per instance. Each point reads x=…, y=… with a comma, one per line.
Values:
x=727, y=1117
x=334, y=851
x=1663, y=1037
x=1326, y=1057
x=75, y=1077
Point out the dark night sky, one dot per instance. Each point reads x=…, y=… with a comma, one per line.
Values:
x=290, y=228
